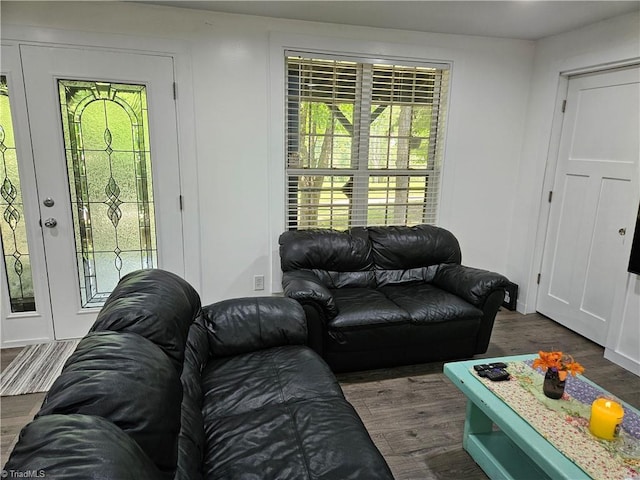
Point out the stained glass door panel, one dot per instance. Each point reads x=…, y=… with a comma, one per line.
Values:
x=12, y=223
x=106, y=141
x=106, y=160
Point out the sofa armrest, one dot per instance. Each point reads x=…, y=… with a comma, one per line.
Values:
x=306, y=288
x=242, y=325
x=472, y=284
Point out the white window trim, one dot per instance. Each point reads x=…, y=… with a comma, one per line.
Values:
x=279, y=43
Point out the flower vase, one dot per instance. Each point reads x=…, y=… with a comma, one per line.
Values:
x=553, y=386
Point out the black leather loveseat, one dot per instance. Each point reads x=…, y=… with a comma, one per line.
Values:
x=162, y=389
x=383, y=296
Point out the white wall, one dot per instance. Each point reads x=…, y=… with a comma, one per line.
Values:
x=231, y=235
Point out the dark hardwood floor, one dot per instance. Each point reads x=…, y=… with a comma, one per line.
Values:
x=414, y=414
x=16, y=411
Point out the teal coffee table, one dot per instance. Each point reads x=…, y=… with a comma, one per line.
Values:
x=501, y=442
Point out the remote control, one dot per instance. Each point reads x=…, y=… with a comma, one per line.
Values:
x=489, y=366
x=497, y=375
x=482, y=367
x=499, y=365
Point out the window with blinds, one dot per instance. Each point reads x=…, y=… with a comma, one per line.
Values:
x=364, y=141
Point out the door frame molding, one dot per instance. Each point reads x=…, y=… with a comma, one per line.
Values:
x=551, y=164
x=179, y=50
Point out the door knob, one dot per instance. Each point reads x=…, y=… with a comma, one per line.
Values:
x=50, y=222
x=622, y=231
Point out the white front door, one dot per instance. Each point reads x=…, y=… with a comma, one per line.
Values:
x=594, y=202
x=104, y=141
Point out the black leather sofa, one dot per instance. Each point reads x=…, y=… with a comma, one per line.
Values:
x=384, y=296
x=162, y=389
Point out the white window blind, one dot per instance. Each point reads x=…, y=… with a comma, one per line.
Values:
x=364, y=141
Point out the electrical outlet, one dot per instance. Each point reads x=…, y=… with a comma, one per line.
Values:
x=258, y=282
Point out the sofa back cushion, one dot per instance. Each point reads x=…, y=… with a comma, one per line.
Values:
x=338, y=259
x=129, y=381
x=369, y=257
x=242, y=325
x=78, y=446
x=406, y=248
x=403, y=276
x=155, y=304
x=123, y=378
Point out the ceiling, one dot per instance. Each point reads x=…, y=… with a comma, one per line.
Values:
x=522, y=19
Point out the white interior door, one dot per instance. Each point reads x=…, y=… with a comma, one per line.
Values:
x=104, y=141
x=595, y=197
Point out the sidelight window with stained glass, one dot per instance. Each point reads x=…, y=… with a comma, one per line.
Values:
x=12, y=226
x=108, y=156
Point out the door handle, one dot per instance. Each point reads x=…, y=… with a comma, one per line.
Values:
x=50, y=222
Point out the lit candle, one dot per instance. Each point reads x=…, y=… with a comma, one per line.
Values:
x=606, y=417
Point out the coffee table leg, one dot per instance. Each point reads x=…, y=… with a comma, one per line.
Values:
x=478, y=442
x=475, y=422
x=494, y=451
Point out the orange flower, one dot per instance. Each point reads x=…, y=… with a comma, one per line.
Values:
x=574, y=367
x=547, y=360
x=558, y=361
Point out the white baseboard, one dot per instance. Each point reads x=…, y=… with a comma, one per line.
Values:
x=24, y=342
x=625, y=362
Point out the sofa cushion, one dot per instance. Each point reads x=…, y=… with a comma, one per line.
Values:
x=280, y=414
x=410, y=247
x=302, y=440
x=406, y=275
x=426, y=303
x=339, y=259
x=79, y=446
x=325, y=249
x=417, y=303
x=129, y=381
x=346, y=279
x=156, y=304
x=274, y=322
x=235, y=385
x=363, y=307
